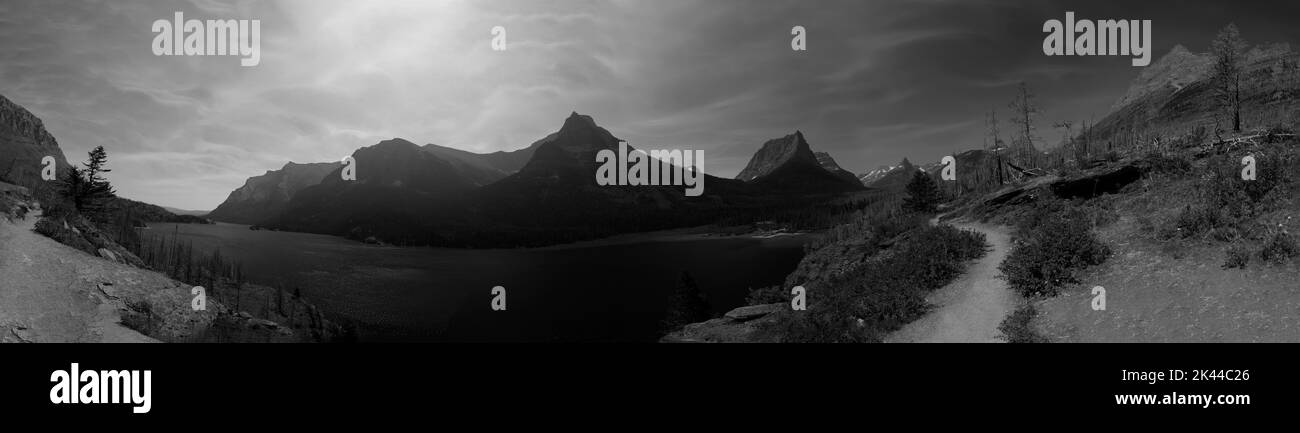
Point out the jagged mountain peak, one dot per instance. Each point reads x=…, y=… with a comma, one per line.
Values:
x=789, y=164
x=575, y=145
x=778, y=152
x=576, y=120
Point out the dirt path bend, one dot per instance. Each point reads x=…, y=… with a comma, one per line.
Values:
x=969, y=309
x=50, y=292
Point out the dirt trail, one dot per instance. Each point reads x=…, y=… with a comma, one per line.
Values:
x=50, y=292
x=969, y=309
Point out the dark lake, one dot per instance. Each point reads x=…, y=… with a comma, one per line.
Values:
x=590, y=292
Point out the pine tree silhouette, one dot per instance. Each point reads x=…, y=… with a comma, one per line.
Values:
x=922, y=193
x=687, y=304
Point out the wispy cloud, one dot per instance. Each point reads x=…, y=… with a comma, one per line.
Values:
x=880, y=80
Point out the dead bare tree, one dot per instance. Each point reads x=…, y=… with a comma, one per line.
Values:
x=1229, y=50
x=1025, y=111
x=996, y=143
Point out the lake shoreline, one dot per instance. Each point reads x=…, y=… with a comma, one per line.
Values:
x=684, y=234
x=612, y=289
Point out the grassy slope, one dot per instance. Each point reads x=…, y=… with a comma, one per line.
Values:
x=1175, y=289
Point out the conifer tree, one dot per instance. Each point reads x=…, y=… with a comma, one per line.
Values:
x=922, y=193
x=687, y=304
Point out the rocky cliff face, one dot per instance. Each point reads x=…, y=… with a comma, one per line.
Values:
x=23, y=143
x=265, y=196
x=1173, y=71
x=1176, y=95
x=824, y=159
x=791, y=149
x=788, y=165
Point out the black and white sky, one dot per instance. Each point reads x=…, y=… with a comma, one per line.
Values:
x=880, y=81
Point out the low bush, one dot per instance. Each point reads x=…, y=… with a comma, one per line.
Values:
x=1018, y=326
x=1196, y=220
x=1238, y=256
x=1052, y=250
x=1175, y=164
x=767, y=295
x=11, y=208
x=886, y=293
x=1279, y=249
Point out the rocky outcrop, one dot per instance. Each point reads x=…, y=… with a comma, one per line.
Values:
x=24, y=142
x=741, y=325
x=75, y=231
x=1090, y=184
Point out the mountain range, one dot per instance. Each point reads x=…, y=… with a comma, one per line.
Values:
x=265, y=196
x=434, y=194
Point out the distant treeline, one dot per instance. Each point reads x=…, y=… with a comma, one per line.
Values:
x=560, y=222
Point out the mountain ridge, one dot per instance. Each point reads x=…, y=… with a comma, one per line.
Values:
x=24, y=142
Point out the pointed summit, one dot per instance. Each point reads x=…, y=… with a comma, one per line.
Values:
x=777, y=152
x=580, y=121
x=789, y=164
x=895, y=179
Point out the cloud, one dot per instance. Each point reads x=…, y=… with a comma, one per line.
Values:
x=879, y=81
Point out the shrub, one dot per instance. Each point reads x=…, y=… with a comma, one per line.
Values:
x=1101, y=210
x=1018, y=326
x=1278, y=250
x=687, y=304
x=1270, y=173
x=1176, y=164
x=1226, y=188
x=767, y=295
x=1197, y=220
x=886, y=293
x=10, y=208
x=1238, y=256
x=1052, y=254
x=63, y=232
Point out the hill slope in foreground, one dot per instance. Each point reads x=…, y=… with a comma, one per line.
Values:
x=1168, y=280
x=51, y=292
x=1198, y=254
